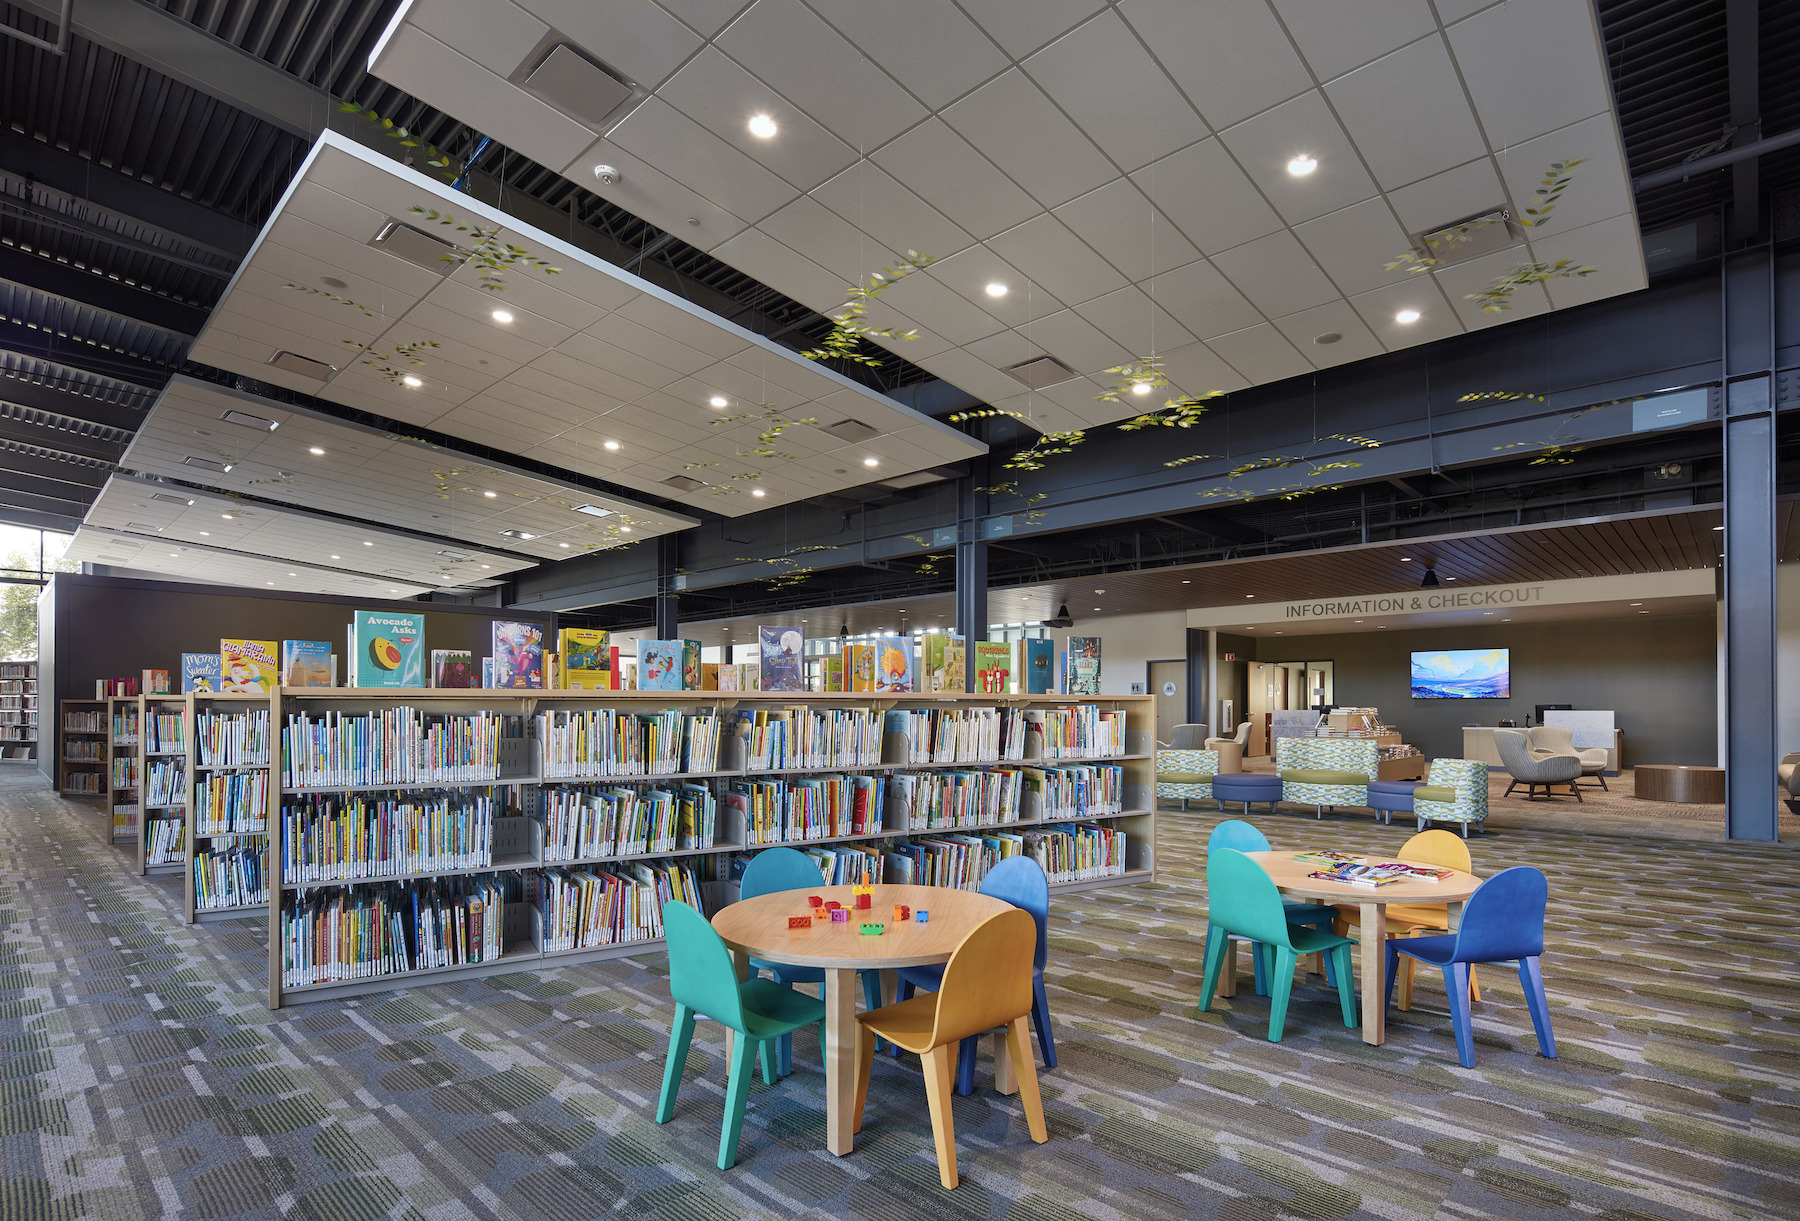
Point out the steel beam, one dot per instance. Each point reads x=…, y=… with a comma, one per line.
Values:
x=101, y=292
x=68, y=401
x=1747, y=340
x=665, y=607
x=24, y=431
x=13, y=515
x=40, y=496
x=1743, y=73
x=77, y=476
x=971, y=573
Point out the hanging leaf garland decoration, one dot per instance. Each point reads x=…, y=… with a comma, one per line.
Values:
x=1550, y=189
x=375, y=356
x=1497, y=297
x=319, y=292
x=491, y=257
x=435, y=157
x=848, y=328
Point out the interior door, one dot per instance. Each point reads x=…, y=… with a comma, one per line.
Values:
x=1168, y=683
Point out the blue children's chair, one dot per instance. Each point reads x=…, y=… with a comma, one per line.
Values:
x=1020, y=881
x=1502, y=922
x=777, y=869
x=1237, y=834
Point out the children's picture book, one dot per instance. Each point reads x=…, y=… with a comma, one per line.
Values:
x=731, y=677
x=782, y=648
x=1037, y=674
x=659, y=665
x=387, y=649
x=248, y=667
x=1084, y=665
x=993, y=667
x=200, y=672
x=859, y=667
x=709, y=676
x=306, y=663
x=586, y=659
x=690, y=665
x=834, y=673
x=155, y=682
x=453, y=668
x=487, y=672
x=518, y=655
x=893, y=664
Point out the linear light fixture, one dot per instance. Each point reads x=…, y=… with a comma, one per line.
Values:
x=593, y=510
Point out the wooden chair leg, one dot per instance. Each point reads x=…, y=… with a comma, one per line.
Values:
x=865, y=1063
x=943, y=1123
x=1018, y=1050
x=681, y=1034
x=1474, y=988
x=1406, y=984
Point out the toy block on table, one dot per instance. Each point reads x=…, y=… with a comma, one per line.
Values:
x=800, y=921
x=832, y=905
x=840, y=915
x=814, y=901
x=863, y=893
x=922, y=916
x=821, y=916
x=872, y=930
x=902, y=913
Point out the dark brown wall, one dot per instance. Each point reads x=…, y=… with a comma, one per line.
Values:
x=1658, y=675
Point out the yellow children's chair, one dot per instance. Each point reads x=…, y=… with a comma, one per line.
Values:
x=1445, y=850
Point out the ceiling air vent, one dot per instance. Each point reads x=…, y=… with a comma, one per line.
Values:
x=1471, y=237
x=522, y=535
x=288, y=362
x=418, y=247
x=360, y=581
x=851, y=432
x=143, y=525
x=682, y=483
x=209, y=464
x=398, y=572
x=115, y=559
x=168, y=499
x=455, y=555
x=581, y=88
x=1044, y=371
x=250, y=421
x=913, y=480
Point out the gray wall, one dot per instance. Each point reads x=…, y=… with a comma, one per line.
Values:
x=1657, y=674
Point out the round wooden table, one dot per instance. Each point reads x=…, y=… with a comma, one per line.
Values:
x=1291, y=879
x=757, y=928
x=1679, y=783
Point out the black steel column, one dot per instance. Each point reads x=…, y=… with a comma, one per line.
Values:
x=668, y=559
x=1748, y=343
x=971, y=574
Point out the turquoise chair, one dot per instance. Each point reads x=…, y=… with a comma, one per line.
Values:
x=1246, y=837
x=703, y=980
x=1242, y=899
x=780, y=869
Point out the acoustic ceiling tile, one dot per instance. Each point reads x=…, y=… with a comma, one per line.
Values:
x=518, y=427
x=640, y=41
x=870, y=199
x=1456, y=193
x=968, y=374
x=646, y=430
x=470, y=340
x=1196, y=369
x=1613, y=247
x=1305, y=125
x=1204, y=192
x=699, y=331
x=945, y=171
x=1107, y=82
x=1276, y=274
x=1336, y=38
x=1076, y=342
x=953, y=317
x=334, y=211
x=957, y=58
x=1532, y=66
x=306, y=253
x=1004, y=350
x=600, y=388
x=1012, y=123
x=969, y=273
x=1131, y=318
x=1022, y=29
x=495, y=34
x=1460, y=280
x=1380, y=308
x=829, y=240
x=715, y=92
x=645, y=191
x=1599, y=187
x=1231, y=57
x=1303, y=328
x=1355, y=244
x=821, y=72
x=1200, y=298
x=1044, y=249
x=630, y=336
x=1119, y=222
x=701, y=159
x=761, y=257
x=539, y=330
x=1261, y=353
x=1407, y=114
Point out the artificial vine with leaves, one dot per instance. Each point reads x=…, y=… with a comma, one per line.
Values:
x=491, y=257
x=849, y=326
x=435, y=157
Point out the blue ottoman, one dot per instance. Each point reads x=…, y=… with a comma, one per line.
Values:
x=1391, y=797
x=1246, y=787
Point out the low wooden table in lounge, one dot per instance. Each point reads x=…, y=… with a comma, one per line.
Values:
x=1290, y=877
x=1679, y=783
x=757, y=928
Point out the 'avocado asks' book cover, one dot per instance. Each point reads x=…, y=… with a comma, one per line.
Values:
x=387, y=649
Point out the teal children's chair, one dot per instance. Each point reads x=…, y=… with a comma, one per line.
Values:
x=1242, y=899
x=703, y=980
x=778, y=869
x=1503, y=921
x=1246, y=837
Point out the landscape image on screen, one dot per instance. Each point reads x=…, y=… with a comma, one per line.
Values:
x=1461, y=674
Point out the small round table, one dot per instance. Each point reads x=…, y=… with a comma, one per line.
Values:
x=1678, y=783
x=757, y=928
x=1290, y=877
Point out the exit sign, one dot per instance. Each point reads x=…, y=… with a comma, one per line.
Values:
x=1228, y=656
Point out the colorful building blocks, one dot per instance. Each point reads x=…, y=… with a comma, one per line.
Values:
x=814, y=901
x=865, y=901
x=922, y=916
x=800, y=921
x=872, y=930
x=840, y=915
x=832, y=905
x=902, y=913
x=821, y=915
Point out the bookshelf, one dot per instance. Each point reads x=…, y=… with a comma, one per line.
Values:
x=162, y=791
x=510, y=860
x=124, y=713
x=230, y=743
x=19, y=709
x=82, y=748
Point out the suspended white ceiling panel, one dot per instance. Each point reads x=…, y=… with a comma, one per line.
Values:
x=118, y=549
x=181, y=517
x=206, y=434
x=1120, y=169
x=380, y=289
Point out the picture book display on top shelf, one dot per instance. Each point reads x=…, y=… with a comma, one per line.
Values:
x=201, y=672
x=781, y=650
x=518, y=655
x=441, y=839
x=453, y=669
x=993, y=667
x=249, y=667
x=941, y=662
x=154, y=682
x=1036, y=665
x=307, y=663
x=659, y=665
x=894, y=665
x=1084, y=666
x=690, y=665
x=229, y=769
x=858, y=665
x=386, y=649
x=84, y=731
x=585, y=660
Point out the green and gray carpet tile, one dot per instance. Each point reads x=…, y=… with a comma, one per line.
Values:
x=143, y=1076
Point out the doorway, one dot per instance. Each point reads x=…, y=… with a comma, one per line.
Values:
x=1168, y=683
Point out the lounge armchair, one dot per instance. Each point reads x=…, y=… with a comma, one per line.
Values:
x=1231, y=750
x=1549, y=740
x=1455, y=790
x=1186, y=737
x=1530, y=771
x=1785, y=773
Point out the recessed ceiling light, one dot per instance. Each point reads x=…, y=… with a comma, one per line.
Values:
x=293, y=574
x=522, y=535
x=205, y=534
x=758, y=492
x=871, y=461
x=996, y=289
x=501, y=315
x=1637, y=603
x=1449, y=578
x=1141, y=388
x=719, y=400
x=763, y=127
x=393, y=591
x=268, y=582
x=1718, y=527
x=484, y=566
x=564, y=546
x=612, y=445
x=1187, y=582
x=175, y=555
x=624, y=529
x=593, y=510
x=1303, y=165
x=337, y=557
x=1099, y=591
x=368, y=543
x=490, y=495
x=1249, y=595
x=412, y=381
x=315, y=450
x=226, y=516
x=1407, y=315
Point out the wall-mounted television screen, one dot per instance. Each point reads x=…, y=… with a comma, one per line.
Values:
x=1462, y=674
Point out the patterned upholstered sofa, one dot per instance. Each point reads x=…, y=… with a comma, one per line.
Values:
x=1322, y=772
x=1184, y=774
x=1455, y=790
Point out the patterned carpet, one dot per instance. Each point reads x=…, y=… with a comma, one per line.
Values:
x=140, y=1074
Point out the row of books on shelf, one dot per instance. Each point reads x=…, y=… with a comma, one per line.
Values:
x=84, y=722
x=85, y=784
x=227, y=803
x=585, y=908
x=232, y=739
x=164, y=731
x=346, y=838
x=125, y=772
x=231, y=875
x=339, y=935
x=77, y=751
x=584, y=824
x=165, y=841
x=18, y=733
x=781, y=811
x=18, y=669
x=165, y=783
x=390, y=746
x=13, y=714
x=615, y=742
